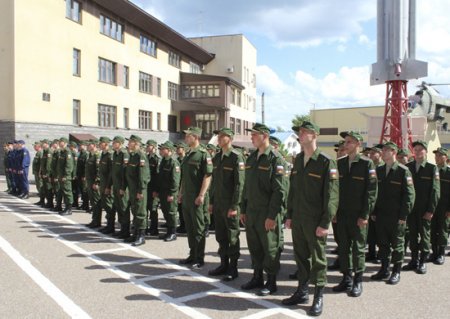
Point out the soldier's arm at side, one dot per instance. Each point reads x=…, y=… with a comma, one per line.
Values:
x=279, y=191
x=435, y=192
x=331, y=195
x=239, y=179
x=371, y=193
x=408, y=196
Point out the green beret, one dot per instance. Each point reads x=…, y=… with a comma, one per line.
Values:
x=422, y=143
x=64, y=139
x=225, y=131
x=104, y=139
x=377, y=148
x=152, y=142
x=353, y=134
x=211, y=147
x=135, y=138
x=168, y=145
x=119, y=139
x=307, y=125
x=73, y=144
x=194, y=131
x=403, y=152
x=441, y=150
x=259, y=128
x=93, y=141
x=391, y=145
x=275, y=140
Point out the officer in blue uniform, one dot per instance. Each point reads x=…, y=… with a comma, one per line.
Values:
x=23, y=164
x=13, y=165
x=10, y=165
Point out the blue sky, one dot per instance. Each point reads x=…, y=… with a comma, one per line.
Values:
x=311, y=52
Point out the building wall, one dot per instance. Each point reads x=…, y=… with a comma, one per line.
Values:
x=44, y=65
x=6, y=60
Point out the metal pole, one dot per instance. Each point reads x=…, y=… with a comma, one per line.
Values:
x=262, y=108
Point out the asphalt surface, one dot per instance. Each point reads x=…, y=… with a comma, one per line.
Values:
x=53, y=267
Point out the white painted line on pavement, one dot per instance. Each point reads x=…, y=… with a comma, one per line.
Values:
x=130, y=262
x=112, y=250
x=200, y=295
x=112, y=240
x=164, y=276
x=43, y=282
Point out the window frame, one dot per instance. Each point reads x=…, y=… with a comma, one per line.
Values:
x=106, y=113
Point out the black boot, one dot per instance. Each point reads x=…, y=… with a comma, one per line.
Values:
x=66, y=211
x=335, y=265
x=109, y=228
x=395, y=276
x=371, y=256
x=317, y=306
x=40, y=202
x=232, y=272
x=140, y=238
x=124, y=231
x=413, y=263
x=222, y=269
x=293, y=276
x=93, y=224
x=153, y=230
x=300, y=296
x=256, y=281
x=440, y=259
x=345, y=284
x=171, y=234
x=357, y=285
x=383, y=273
x=49, y=204
x=270, y=287
x=422, y=268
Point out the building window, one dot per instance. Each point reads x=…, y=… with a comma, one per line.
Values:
x=145, y=120
x=201, y=91
x=73, y=10
x=126, y=117
x=195, y=68
x=158, y=87
x=238, y=126
x=238, y=98
x=106, y=71
x=233, y=124
x=233, y=96
x=145, y=83
x=125, y=76
x=207, y=122
x=174, y=59
x=107, y=116
x=148, y=46
x=173, y=91
x=254, y=80
x=158, y=121
x=76, y=62
x=254, y=105
x=111, y=28
x=76, y=107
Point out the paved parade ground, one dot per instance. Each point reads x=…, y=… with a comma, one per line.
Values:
x=54, y=267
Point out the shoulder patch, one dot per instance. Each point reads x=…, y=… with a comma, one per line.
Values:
x=436, y=175
x=372, y=173
x=177, y=168
x=364, y=157
x=333, y=173
x=280, y=170
x=409, y=180
x=209, y=160
x=241, y=166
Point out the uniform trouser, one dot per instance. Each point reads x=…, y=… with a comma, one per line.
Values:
x=38, y=182
x=206, y=207
x=352, y=244
x=169, y=209
x=76, y=190
x=121, y=206
x=138, y=209
x=47, y=188
x=227, y=232
x=439, y=230
x=9, y=182
x=391, y=239
x=83, y=190
x=94, y=198
x=24, y=186
x=264, y=246
x=152, y=206
x=107, y=205
x=309, y=252
x=194, y=218
x=57, y=191
x=15, y=180
x=66, y=191
x=419, y=233
x=372, y=234
x=335, y=233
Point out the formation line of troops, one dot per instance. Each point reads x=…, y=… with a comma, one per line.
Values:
x=378, y=201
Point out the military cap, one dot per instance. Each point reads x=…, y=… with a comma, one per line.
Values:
x=45, y=141
x=307, y=125
x=21, y=142
x=225, y=131
x=151, y=142
x=377, y=148
x=391, y=145
x=194, y=131
x=259, y=128
x=441, y=150
x=55, y=141
x=211, y=147
x=83, y=143
x=420, y=142
x=275, y=140
x=37, y=143
x=93, y=141
x=168, y=145
x=73, y=144
x=135, y=138
x=10, y=143
x=104, y=139
x=119, y=139
x=403, y=152
x=15, y=142
x=181, y=145
x=340, y=143
x=353, y=134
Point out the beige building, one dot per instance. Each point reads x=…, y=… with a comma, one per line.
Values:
x=333, y=121
x=106, y=67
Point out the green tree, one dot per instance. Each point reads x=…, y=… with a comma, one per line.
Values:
x=280, y=129
x=299, y=119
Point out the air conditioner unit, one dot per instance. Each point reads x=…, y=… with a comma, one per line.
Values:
x=230, y=69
